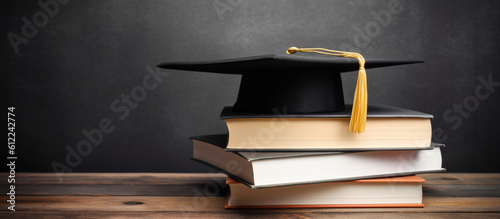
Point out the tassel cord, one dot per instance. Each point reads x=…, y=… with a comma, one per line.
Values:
x=360, y=104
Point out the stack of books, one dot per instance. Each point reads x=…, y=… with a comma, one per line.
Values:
x=281, y=150
x=312, y=160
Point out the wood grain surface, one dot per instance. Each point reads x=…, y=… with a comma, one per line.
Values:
x=95, y=195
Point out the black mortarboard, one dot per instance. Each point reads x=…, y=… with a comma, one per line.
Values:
x=291, y=83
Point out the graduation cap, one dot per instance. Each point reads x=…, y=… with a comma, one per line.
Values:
x=296, y=83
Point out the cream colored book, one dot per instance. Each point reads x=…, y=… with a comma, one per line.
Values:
x=380, y=193
x=387, y=128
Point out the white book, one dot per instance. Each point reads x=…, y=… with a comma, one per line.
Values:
x=271, y=169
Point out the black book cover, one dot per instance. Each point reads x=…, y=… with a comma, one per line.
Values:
x=374, y=111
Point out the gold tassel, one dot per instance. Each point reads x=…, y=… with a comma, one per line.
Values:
x=360, y=103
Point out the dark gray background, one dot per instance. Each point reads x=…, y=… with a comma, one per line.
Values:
x=64, y=79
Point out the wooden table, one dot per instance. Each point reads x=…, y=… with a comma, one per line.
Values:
x=448, y=195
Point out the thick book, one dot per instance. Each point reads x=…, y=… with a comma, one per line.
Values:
x=383, y=192
x=272, y=169
x=387, y=128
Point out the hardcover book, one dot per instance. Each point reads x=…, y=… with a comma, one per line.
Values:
x=383, y=192
x=271, y=169
x=387, y=128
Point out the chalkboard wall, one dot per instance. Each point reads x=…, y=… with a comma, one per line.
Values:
x=74, y=69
